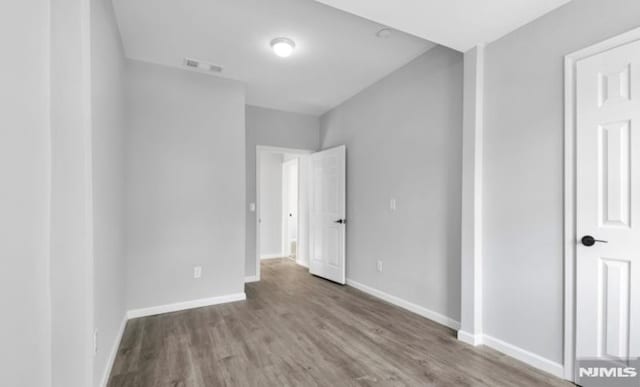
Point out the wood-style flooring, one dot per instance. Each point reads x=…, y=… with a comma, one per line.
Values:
x=299, y=330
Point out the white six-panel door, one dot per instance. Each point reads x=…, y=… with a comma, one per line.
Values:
x=608, y=204
x=328, y=214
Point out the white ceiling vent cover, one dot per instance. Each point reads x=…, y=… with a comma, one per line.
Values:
x=202, y=66
x=191, y=63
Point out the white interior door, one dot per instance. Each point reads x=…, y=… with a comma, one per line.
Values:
x=608, y=204
x=328, y=214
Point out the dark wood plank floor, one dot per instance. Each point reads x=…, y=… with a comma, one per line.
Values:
x=298, y=330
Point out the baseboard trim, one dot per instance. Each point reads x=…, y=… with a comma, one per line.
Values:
x=536, y=361
x=302, y=263
x=417, y=309
x=160, y=309
x=251, y=278
x=271, y=256
x=114, y=351
x=469, y=338
x=530, y=358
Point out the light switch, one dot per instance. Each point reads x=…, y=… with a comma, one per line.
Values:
x=393, y=204
x=252, y=207
x=197, y=272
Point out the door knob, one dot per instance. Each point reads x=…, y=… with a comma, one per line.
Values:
x=340, y=221
x=589, y=241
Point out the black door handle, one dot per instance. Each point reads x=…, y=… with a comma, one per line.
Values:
x=589, y=241
x=340, y=221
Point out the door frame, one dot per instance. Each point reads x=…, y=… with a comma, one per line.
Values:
x=570, y=237
x=260, y=149
x=286, y=245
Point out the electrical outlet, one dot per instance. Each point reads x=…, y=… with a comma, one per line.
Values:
x=197, y=272
x=252, y=207
x=379, y=266
x=393, y=204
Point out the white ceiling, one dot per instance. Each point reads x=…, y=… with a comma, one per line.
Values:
x=459, y=24
x=337, y=53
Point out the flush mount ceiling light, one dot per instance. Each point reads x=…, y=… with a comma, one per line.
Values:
x=384, y=33
x=283, y=47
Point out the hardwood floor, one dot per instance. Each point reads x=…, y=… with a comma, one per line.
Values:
x=299, y=330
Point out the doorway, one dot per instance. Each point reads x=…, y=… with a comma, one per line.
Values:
x=301, y=202
x=282, y=210
x=602, y=181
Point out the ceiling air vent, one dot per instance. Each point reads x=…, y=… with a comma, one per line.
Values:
x=215, y=68
x=202, y=66
x=191, y=63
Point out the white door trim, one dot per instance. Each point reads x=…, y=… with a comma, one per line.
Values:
x=260, y=149
x=570, y=236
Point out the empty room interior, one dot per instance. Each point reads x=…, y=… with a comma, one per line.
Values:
x=213, y=193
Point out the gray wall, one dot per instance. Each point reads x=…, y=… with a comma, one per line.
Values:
x=25, y=353
x=71, y=196
x=271, y=204
x=107, y=75
x=185, y=185
x=404, y=140
x=523, y=169
x=272, y=128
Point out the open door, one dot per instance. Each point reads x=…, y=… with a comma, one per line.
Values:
x=608, y=205
x=328, y=214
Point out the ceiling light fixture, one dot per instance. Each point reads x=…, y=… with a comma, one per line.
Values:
x=384, y=33
x=283, y=47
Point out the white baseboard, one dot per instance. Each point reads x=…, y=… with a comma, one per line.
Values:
x=251, y=278
x=530, y=358
x=417, y=309
x=114, y=351
x=135, y=313
x=272, y=256
x=536, y=361
x=469, y=338
x=302, y=263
